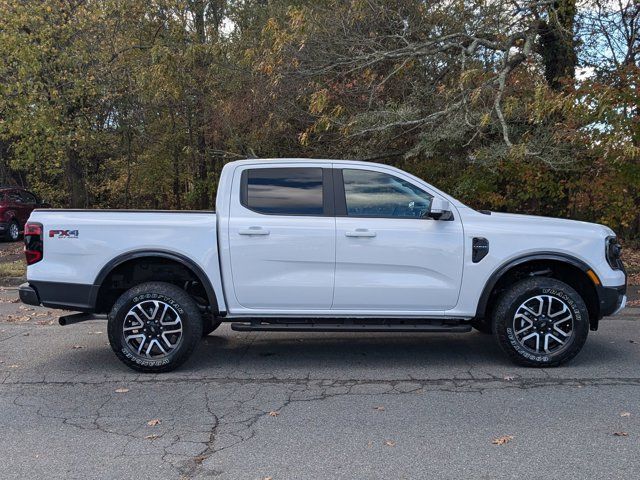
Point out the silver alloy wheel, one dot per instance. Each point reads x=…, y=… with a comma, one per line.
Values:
x=14, y=231
x=543, y=324
x=152, y=329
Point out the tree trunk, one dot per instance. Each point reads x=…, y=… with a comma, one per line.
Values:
x=557, y=45
x=76, y=188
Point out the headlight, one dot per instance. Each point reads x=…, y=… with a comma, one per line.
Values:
x=613, y=251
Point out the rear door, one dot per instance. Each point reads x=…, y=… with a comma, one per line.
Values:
x=17, y=206
x=282, y=236
x=389, y=256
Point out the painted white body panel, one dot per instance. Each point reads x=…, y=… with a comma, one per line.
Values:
x=107, y=234
x=411, y=264
x=308, y=266
x=288, y=264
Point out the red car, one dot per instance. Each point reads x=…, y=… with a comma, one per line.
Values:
x=16, y=204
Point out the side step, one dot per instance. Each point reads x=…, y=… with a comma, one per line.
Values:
x=351, y=325
x=79, y=317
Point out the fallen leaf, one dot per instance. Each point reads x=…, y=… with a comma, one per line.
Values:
x=122, y=390
x=96, y=333
x=508, y=378
x=621, y=434
x=14, y=366
x=273, y=414
x=625, y=414
x=78, y=347
x=379, y=408
x=151, y=437
x=267, y=478
x=390, y=443
x=200, y=459
x=25, y=334
x=154, y=422
x=502, y=440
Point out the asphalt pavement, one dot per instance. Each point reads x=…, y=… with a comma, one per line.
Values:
x=310, y=406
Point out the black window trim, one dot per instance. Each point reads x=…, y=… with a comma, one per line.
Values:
x=328, y=209
x=341, y=197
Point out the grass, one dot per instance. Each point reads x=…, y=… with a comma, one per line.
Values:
x=17, y=268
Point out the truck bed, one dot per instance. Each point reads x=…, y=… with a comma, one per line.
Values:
x=80, y=244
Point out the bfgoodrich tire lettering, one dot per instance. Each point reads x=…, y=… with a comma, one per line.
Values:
x=560, y=330
x=183, y=318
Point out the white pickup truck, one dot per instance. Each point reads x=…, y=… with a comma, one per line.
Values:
x=324, y=245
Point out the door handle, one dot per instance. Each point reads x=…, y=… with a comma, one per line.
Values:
x=360, y=232
x=253, y=231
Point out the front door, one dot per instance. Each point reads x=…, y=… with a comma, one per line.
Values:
x=389, y=256
x=282, y=237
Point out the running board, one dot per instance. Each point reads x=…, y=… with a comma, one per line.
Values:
x=79, y=317
x=352, y=325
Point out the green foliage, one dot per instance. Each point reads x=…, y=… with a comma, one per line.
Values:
x=140, y=103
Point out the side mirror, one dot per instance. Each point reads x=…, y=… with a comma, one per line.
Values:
x=440, y=209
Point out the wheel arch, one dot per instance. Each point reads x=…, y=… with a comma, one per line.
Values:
x=178, y=258
x=582, y=282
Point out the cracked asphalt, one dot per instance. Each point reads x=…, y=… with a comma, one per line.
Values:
x=296, y=406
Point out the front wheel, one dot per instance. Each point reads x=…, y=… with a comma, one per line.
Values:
x=13, y=232
x=541, y=322
x=154, y=327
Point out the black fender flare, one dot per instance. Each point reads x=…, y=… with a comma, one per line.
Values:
x=177, y=257
x=505, y=267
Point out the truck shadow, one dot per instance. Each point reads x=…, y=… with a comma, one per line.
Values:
x=227, y=354
x=280, y=352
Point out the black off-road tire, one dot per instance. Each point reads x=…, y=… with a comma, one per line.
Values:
x=179, y=300
x=209, y=324
x=13, y=232
x=509, y=302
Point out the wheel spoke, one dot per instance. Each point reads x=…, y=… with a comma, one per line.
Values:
x=554, y=315
x=543, y=323
x=565, y=319
x=561, y=342
x=166, y=340
x=152, y=329
x=525, y=328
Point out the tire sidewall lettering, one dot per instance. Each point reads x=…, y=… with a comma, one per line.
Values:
x=157, y=296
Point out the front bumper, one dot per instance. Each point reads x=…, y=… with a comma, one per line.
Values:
x=612, y=299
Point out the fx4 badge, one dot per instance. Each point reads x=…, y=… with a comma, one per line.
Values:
x=63, y=233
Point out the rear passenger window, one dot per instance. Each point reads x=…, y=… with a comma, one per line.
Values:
x=283, y=191
x=28, y=198
x=14, y=197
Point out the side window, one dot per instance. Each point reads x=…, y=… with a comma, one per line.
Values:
x=14, y=197
x=28, y=198
x=375, y=194
x=283, y=191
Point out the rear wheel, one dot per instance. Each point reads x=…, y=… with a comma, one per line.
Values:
x=154, y=327
x=541, y=322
